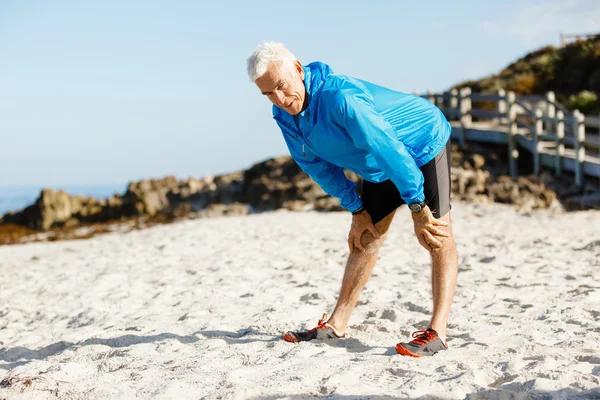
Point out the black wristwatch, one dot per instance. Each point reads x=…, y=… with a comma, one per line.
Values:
x=417, y=207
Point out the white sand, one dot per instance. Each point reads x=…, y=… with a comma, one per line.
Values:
x=196, y=309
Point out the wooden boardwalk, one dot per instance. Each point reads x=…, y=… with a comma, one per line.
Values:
x=488, y=132
x=557, y=138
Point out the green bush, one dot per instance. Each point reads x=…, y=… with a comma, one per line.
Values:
x=585, y=101
x=572, y=72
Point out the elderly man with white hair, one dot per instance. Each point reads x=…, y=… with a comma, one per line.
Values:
x=398, y=143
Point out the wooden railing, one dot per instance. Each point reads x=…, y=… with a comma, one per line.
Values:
x=556, y=137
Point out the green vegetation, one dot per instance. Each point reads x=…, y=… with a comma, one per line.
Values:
x=572, y=72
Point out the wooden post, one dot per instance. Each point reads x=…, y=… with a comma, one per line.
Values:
x=464, y=106
x=461, y=133
x=430, y=96
x=537, y=133
x=513, y=153
x=439, y=101
x=579, y=133
x=560, y=144
x=501, y=104
x=551, y=111
x=454, y=98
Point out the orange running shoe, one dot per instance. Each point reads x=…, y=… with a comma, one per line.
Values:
x=426, y=343
x=322, y=331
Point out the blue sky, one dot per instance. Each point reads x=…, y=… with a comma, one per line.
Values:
x=106, y=92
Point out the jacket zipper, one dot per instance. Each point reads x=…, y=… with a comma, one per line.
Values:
x=304, y=140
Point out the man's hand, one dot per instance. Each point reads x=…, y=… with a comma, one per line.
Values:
x=360, y=223
x=427, y=229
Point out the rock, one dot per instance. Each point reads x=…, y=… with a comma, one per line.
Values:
x=279, y=182
x=189, y=187
x=527, y=193
x=77, y=203
x=149, y=196
x=180, y=210
x=475, y=161
x=55, y=207
x=270, y=184
x=228, y=188
x=71, y=223
x=476, y=179
x=52, y=208
x=468, y=183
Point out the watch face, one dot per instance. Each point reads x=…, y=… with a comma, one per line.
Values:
x=415, y=207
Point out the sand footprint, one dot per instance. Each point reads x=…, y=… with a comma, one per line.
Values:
x=312, y=298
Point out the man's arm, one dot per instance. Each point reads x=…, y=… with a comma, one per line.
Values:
x=329, y=177
x=371, y=132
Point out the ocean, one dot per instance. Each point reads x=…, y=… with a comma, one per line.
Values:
x=14, y=198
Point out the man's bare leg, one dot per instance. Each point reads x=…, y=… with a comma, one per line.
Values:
x=444, y=271
x=359, y=267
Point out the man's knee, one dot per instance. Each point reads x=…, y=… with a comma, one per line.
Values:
x=448, y=246
x=370, y=243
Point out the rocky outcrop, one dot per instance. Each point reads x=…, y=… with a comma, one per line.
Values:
x=275, y=183
x=149, y=196
x=474, y=180
x=478, y=175
x=280, y=183
x=53, y=208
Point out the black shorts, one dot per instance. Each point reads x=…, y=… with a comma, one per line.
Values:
x=380, y=199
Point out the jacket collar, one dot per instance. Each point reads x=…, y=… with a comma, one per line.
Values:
x=315, y=75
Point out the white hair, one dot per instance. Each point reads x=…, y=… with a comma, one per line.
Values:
x=265, y=54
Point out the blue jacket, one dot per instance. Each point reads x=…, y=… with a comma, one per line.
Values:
x=376, y=132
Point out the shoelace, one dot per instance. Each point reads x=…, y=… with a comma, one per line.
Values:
x=321, y=323
x=324, y=325
x=423, y=337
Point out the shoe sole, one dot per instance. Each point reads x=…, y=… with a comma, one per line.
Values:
x=290, y=338
x=405, y=352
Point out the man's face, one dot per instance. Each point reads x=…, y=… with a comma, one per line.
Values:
x=284, y=86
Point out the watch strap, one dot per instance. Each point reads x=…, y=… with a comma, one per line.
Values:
x=361, y=209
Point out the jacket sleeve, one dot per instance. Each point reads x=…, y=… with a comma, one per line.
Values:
x=369, y=130
x=329, y=177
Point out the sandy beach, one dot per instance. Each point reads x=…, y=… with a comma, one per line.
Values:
x=195, y=309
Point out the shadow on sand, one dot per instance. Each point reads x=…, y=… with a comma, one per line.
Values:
x=482, y=394
x=19, y=355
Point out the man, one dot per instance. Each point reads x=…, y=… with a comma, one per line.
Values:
x=398, y=143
